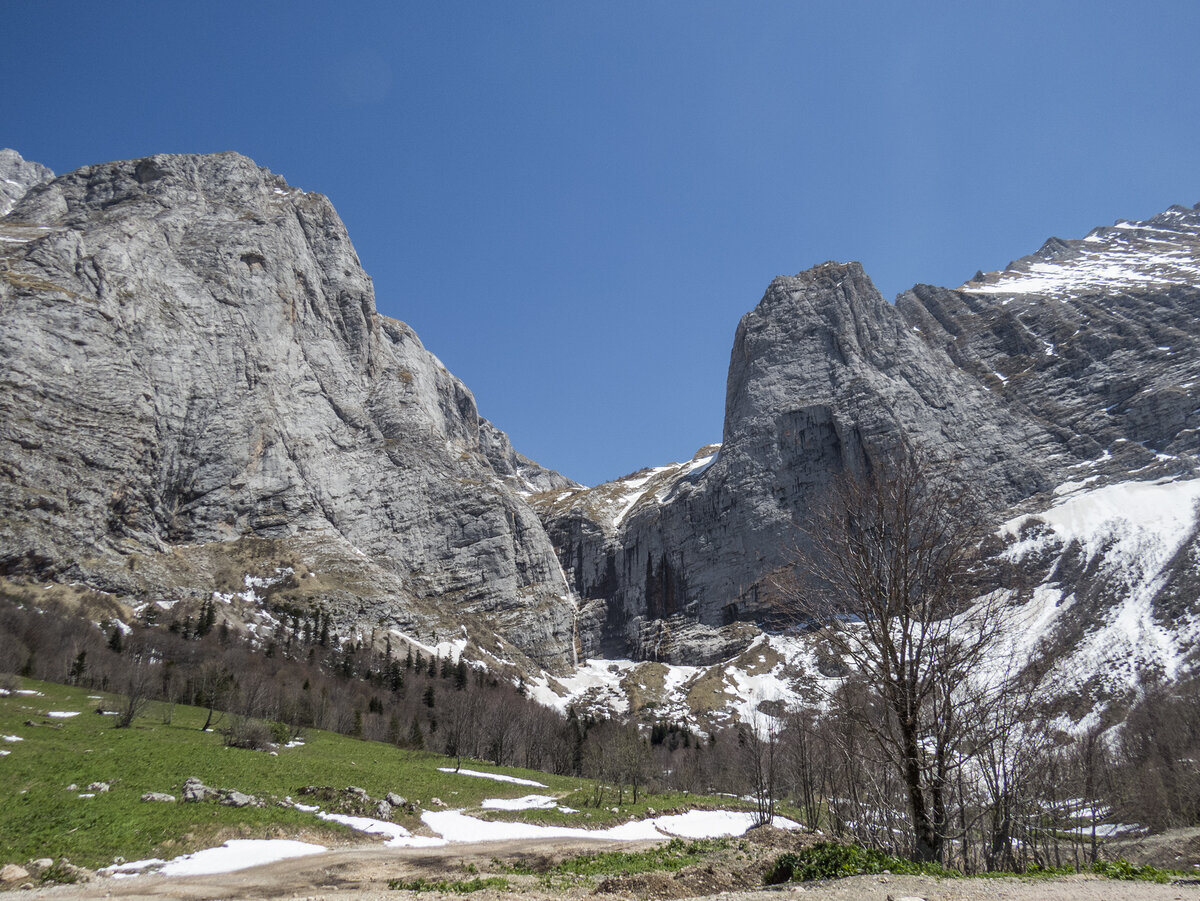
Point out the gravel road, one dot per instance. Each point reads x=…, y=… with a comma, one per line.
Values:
x=361, y=873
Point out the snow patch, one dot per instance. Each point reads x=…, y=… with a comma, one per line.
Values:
x=528, y=802
x=498, y=777
x=235, y=854
x=398, y=836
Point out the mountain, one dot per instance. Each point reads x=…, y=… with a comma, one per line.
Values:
x=1063, y=389
x=199, y=396
x=201, y=401
x=17, y=176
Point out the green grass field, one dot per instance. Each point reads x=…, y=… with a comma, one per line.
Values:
x=41, y=817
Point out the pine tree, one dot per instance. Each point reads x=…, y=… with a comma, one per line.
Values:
x=115, y=642
x=395, y=677
x=427, y=699
x=460, y=674
x=77, y=668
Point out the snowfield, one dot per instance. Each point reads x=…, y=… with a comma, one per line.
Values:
x=1131, y=533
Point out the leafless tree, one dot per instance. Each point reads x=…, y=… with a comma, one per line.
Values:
x=137, y=685
x=759, y=743
x=888, y=577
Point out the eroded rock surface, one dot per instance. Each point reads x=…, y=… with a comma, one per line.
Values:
x=198, y=386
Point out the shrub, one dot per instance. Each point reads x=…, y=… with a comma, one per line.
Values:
x=829, y=860
x=244, y=732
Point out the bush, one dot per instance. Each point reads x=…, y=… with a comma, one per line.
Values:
x=829, y=860
x=1123, y=869
x=244, y=732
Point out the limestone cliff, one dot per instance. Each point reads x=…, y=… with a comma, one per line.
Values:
x=197, y=385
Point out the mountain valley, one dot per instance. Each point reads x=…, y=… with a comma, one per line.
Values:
x=201, y=403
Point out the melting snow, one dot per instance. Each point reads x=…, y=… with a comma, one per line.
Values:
x=456, y=826
x=398, y=836
x=1131, y=531
x=63, y=714
x=498, y=777
x=235, y=854
x=528, y=802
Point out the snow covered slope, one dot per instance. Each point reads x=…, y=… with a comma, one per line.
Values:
x=1115, y=594
x=1128, y=255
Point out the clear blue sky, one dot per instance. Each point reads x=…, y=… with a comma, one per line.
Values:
x=573, y=203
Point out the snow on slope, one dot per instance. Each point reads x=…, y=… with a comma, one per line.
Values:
x=1127, y=536
x=615, y=501
x=774, y=672
x=1129, y=255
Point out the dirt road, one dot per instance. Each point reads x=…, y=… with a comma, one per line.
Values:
x=361, y=873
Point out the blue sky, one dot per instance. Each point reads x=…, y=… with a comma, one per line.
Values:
x=573, y=203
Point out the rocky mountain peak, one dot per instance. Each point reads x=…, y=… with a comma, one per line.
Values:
x=17, y=176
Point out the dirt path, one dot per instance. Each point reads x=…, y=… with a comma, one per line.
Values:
x=361, y=873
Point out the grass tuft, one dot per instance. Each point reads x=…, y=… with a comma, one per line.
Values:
x=455, y=887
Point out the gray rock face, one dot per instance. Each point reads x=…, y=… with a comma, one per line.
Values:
x=1083, y=355
x=198, y=385
x=823, y=374
x=17, y=176
x=524, y=476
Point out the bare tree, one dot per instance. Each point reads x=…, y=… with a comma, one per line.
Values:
x=137, y=684
x=888, y=577
x=759, y=743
